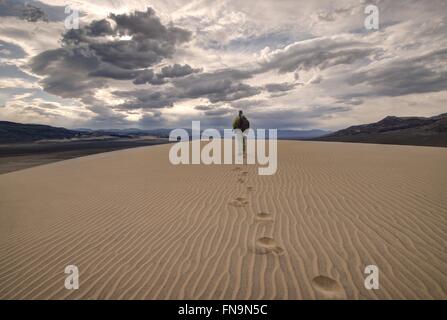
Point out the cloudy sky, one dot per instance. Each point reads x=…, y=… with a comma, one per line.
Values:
x=294, y=64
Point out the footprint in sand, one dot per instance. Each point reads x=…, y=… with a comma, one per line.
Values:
x=240, y=180
x=238, y=202
x=327, y=285
x=244, y=173
x=250, y=188
x=264, y=217
x=267, y=245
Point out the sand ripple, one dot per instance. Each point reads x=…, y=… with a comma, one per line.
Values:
x=139, y=227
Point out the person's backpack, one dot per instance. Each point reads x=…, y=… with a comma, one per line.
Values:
x=244, y=124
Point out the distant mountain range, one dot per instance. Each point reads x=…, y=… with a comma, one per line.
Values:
x=11, y=132
x=163, y=133
x=301, y=134
x=418, y=131
x=421, y=131
x=282, y=134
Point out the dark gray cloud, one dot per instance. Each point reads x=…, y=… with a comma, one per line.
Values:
x=87, y=58
x=108, y=70
x=322, y=53
x=174, y=71
x=280, y=87
x=224, y=91
x=12, y=71
x=99, y=28
x=152, y=119
x=319, y=53
x=146, y=99
x=150, y=42
x=289, y=118
x=177, y=71
x=22, y=10
x=67, y=70
x=217, y=86
x=425, y=73
x=41, y=111
x=132, y=54
x=148, y=76
x=215, y=110
x=107, y=118
x=104, y=117
x=219, y=112
x=146, y=25
x=31, y=11
x=11, y=51
x=32, y=14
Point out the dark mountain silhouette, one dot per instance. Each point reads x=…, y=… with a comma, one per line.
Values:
x=11, y=132
x=418, y=131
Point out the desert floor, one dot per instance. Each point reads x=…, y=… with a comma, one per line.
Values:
x=137, y=226
x=19, y=156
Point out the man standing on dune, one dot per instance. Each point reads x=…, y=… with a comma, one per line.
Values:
x=241, y=123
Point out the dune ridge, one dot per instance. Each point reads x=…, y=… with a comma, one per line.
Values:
x=139, y=227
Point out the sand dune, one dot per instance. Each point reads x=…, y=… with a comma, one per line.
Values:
x=139, y=227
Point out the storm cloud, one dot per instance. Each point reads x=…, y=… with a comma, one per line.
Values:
x=87, y=58
x=31, y=11
x=220, y=85
x=322, y=53
x=174, y=71
x=425, y=73
x=280, y=87
x=24, y=11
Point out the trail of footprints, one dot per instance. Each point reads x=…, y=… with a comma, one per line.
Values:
x=265, y=245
